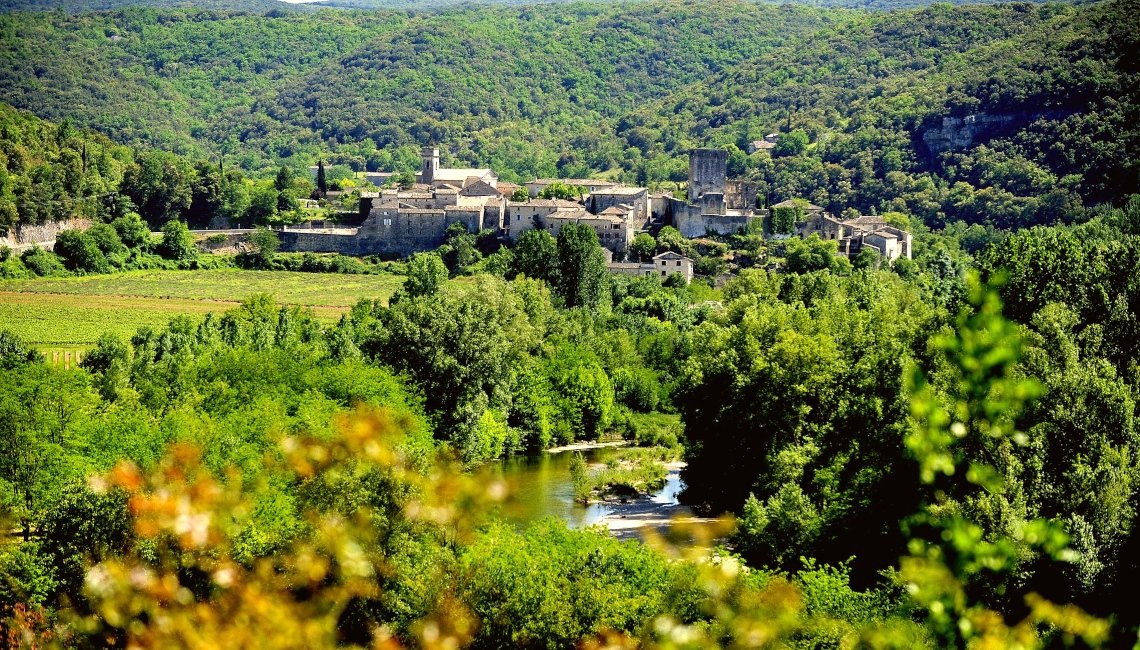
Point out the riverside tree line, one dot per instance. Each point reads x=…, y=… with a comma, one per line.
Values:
x=807, y=400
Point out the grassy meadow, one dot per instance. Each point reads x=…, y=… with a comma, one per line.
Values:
x=71, y=313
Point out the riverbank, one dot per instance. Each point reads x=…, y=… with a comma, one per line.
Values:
x=630, y=518
x=583, y=446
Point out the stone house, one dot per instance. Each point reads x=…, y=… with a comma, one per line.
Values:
x=760, y=145
x=614, y=233
x=636, y=198
x=853, y=234
x=662, y=265
x=519, y=217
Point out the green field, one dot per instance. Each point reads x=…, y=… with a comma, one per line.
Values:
x=71, y=313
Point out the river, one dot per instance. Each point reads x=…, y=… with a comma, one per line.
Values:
x=540, y=487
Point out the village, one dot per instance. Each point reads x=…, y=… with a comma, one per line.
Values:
x=402, y=221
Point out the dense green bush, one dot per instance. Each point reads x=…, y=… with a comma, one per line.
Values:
x=80, y=252
x=42, y=263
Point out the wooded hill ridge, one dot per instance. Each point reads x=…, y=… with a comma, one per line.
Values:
x=624, y=91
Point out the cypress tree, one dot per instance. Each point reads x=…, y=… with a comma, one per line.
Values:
x=322, y=185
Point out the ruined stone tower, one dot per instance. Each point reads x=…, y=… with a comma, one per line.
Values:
x=708, y=169
x=431, y=165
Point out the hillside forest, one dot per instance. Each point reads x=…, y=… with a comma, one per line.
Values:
x=941, y=451
x=620, y=90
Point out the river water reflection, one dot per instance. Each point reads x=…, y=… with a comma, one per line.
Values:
x=541, y=487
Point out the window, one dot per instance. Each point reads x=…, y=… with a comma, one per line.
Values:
x=663, y=262
x=678, y=262
x=387, y=222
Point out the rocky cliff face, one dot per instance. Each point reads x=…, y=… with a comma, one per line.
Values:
x=24, y=237
x=962, y=132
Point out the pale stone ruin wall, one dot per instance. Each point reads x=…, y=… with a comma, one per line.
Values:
x=22, y=238
x=693, y=221
x=708, y=169
x=740, y=195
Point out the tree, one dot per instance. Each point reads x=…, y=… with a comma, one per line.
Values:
x=322, y=183
x=265, y=245
x=177, y=242
x=15, y=353
x=107, y=239
x=263, y=206
x=161, y=185
x=791, y=144
x=536, y=255
x=464, y=348
x=460, y=251
x=82, y=527
x=811, y=254
x=132, y=230
x=868, y=258
x=784, y=219
x=426, y=274
x=561, y=190
x=207, y=200
x=80, y=252
x=583, y=279
x=671, y=239
x=235, y=197
x=283, y=180
x=405, y=180
x=520, y=195
x=643, y=246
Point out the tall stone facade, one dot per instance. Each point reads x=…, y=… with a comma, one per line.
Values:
x=708, y=171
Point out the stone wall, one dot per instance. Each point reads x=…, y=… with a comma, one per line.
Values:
x=708, y=169
x=22, y=238
x=740, y=195
x=235, y=240
x=388, y=231
x=316, y=241
x=690, y=220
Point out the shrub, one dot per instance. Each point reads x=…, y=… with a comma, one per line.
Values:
x=132, y=230
x=177, y=242
x=636, y=388
x=42, y=263
x=12, y=268
x=80, y=252
x=107, y=239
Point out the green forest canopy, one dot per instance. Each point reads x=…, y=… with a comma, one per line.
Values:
x=624, y=91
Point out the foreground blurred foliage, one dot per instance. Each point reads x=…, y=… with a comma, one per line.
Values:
x=389, y=547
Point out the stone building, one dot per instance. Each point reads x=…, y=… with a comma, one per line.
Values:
x=662, y=265
x=635, y=199
x=853, y=235
x=715, y=204
x=767, y=144
x=401, y=222
x=520, y=217
x=614, y=233
x=434, y=175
